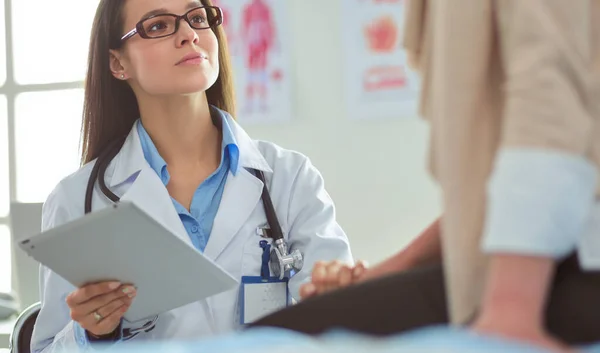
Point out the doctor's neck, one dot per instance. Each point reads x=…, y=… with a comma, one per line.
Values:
x=181, y=128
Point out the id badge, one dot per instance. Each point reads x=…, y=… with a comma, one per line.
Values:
x=260, y=297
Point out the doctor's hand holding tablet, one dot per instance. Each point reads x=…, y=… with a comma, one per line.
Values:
x=99, y=307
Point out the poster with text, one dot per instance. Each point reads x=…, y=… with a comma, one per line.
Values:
x=378, y=83
x=259, y=44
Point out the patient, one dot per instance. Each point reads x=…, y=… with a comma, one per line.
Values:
x=510, y=89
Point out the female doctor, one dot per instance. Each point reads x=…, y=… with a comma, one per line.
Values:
x=159, y=94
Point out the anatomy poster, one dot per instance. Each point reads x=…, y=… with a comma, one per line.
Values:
x=378, y=83
x=259, y=44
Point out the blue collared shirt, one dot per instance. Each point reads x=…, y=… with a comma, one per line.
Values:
x=198, y=221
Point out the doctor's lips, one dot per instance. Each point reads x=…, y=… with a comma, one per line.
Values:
x=382, y=35
x=193, y=58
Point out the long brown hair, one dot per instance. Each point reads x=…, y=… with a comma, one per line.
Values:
x=110, y=107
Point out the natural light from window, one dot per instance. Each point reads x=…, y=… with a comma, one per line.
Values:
x=53, y=52
x=2, y=46
x=4, y=183
x=5, y=258
x=47, y=129
x=46, y=123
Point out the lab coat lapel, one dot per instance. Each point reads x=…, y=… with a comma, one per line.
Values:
x=241, y=194
x=149, y=193
x=145, y=188
x=240, y=197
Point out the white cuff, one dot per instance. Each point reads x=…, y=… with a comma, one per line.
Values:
x=538, y=202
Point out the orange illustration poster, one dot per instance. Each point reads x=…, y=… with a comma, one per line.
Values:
x=378, y=84
x=258, y=43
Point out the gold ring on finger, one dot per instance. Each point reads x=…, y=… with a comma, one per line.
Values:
x=97, y=316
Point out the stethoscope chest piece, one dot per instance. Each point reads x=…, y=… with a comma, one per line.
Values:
x=283, y=263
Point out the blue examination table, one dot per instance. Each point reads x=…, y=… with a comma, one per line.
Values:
x=436, y=339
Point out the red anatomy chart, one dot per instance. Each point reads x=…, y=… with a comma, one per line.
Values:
x=259, y=42
x=378, y=81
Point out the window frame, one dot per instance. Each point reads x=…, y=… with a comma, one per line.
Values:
x=11, y=89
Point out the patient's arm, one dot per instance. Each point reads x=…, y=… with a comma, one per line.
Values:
x=423, y=250
x=513, y=306
x=328, y=276
x=542, y=188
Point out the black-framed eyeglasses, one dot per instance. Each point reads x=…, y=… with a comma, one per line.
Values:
x=164, y=25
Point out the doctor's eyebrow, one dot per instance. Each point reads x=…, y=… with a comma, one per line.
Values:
x=162, y=10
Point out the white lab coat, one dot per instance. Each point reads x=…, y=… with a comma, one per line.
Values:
x=303, y=207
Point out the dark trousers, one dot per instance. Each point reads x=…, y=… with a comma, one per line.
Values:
x=417, y=298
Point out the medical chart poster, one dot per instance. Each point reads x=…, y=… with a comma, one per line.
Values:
x=259, y=43
x=378, y=83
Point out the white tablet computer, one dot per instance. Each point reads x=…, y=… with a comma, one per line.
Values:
x=125, y=244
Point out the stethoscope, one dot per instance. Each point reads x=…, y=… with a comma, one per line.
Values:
x=282, y=263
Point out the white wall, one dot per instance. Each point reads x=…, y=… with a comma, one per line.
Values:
x=374, y=170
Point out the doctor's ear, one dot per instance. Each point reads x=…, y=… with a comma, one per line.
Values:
x=116, y=66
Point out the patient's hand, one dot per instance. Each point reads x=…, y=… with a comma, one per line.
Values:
x=329, y=276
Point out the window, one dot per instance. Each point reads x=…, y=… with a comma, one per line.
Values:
x=5, y=259
x=4, y=183
x=40, y=102
x=54, y=50
x=47, y=129
x=2, y=46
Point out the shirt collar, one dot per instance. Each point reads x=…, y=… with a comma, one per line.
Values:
x=229, y=149
x=229, y=143
x=154, y=159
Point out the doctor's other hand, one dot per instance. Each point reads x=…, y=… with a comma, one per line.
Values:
x=332, y=275
x=99, y=307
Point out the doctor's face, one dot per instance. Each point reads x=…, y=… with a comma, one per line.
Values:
x=159, y=62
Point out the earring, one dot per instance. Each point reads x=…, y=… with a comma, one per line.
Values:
x=122, y=76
